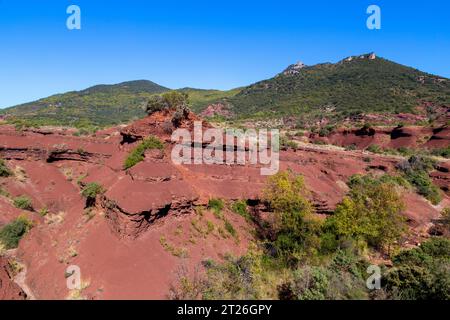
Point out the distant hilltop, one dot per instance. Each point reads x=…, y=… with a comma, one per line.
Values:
x=294, y=68
x=370, y=56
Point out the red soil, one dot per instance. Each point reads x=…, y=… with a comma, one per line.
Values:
x=144, y=227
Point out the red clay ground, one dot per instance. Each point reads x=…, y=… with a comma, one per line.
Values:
x=146, y=226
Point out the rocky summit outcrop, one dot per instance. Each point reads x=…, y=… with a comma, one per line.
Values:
x=157, y=124
x=294, y=69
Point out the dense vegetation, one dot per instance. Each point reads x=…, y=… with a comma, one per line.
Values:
x=442, y=152
x=421, y=273
x=11, y=234
x=96, y=106
x=299, y=257
x=342, y=89
x=415, y=170
x=100, y=106
x=371, y=211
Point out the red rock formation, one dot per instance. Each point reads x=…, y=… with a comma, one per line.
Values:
x=129, y=245
x=8, y=289
x=157, y=124
x=390, y=137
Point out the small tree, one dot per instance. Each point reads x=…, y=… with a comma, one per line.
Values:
x=176, y=99
x=371, y=211
x=169, y=100
x=286, y=192
x=293, y=227
x=156, y=103
x=90, y=192
x=173, y=100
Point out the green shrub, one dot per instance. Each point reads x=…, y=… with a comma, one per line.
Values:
x=405, y=151
x=435, y=248
x=229, y=227
x=293, y=227
x=43, y=212
x=342, y=278
x=310, y=283
x=371, y=211
x=137, y=154
x=23, y=202
x=240, y=207
x=286, y=143
x=424, y=185
x=374, y=148
x=421, y=273
x=91, y=190
x=174, y=100
x=11, y=234
x=4, y=170
x=216, y=205
x=286, y=192
x=238, y=278
x=155, y=103
x=327, y=130
x=319, y=142
x=442, y=152
x=415, y=170
x=359, y=180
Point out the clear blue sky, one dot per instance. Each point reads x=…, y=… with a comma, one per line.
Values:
x=205, y=44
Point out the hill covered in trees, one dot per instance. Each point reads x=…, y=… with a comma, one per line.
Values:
x=102, y=105
x=355, y=85
x=363, y=84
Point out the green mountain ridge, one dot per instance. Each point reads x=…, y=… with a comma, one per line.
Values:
x=100, y=105
x=351, y=86
x=355, y=85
